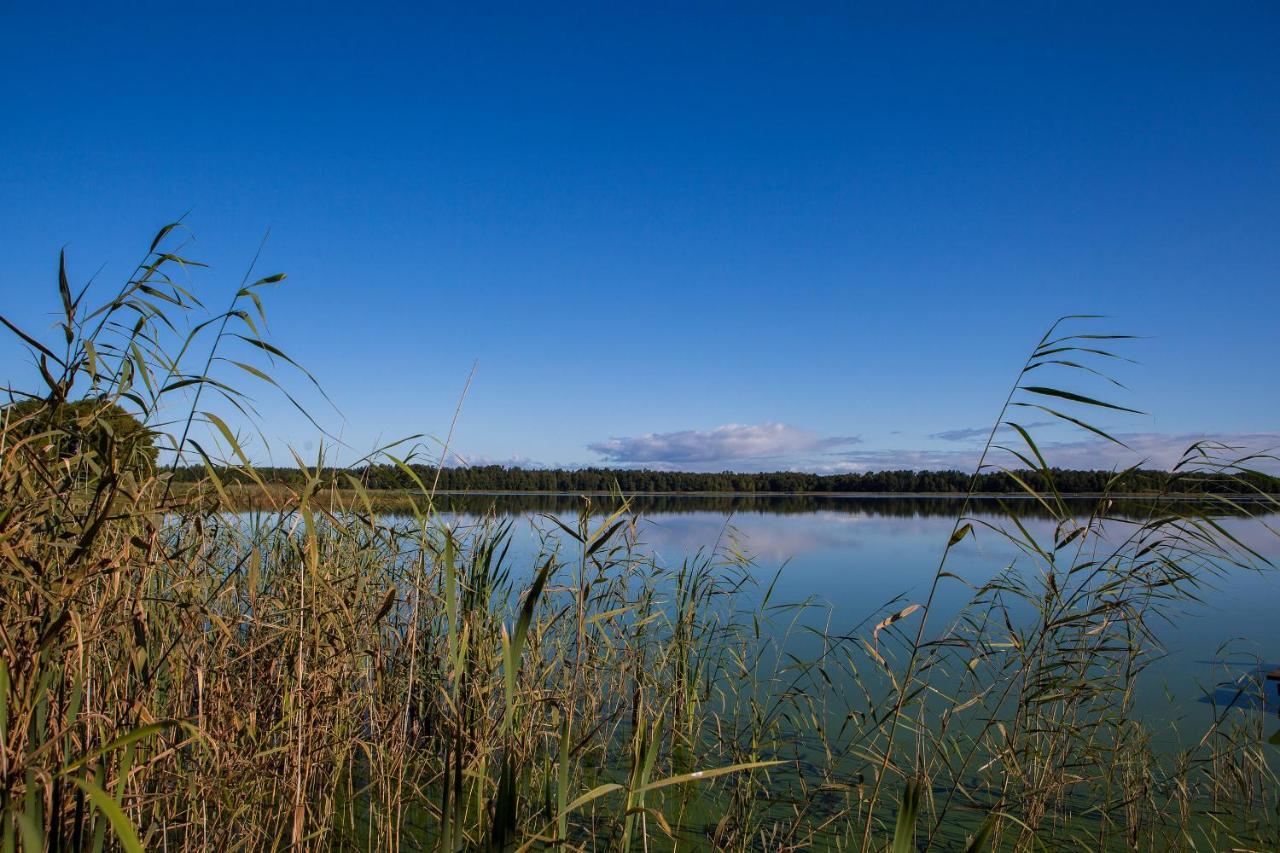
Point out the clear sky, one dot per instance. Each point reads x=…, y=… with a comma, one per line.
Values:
x=694, y=236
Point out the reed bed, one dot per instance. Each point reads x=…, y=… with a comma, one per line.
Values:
x=179, y=672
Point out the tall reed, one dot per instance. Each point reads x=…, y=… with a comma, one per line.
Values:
x=180, y=672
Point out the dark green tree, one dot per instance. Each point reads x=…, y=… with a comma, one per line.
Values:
x=94, y=429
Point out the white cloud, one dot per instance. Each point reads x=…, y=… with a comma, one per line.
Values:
x=896, y=460
x=456, y=460
x=1147, y=449
x=1161, y=450
x=732, y=443
x=964, y=434
x=778, y=446
x=970, y=433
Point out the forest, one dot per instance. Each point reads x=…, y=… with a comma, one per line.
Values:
x=497, y=478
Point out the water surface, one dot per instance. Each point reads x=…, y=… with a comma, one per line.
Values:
x=855, y=558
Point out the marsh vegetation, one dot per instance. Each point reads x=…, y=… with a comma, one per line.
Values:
x=179, y=673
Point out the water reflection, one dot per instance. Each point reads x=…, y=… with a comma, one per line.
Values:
x=856, y=555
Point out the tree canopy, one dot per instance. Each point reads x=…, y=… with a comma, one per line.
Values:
x=497, y=478
x=96, y=427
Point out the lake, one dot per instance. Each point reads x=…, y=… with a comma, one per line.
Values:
x=856, y=558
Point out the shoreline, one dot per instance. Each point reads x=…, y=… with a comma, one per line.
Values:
x=957, y=496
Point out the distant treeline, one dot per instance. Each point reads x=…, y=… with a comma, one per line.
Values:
x=867, y=505
x=496, y=478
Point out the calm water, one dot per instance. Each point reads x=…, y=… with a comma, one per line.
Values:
x=854, y=556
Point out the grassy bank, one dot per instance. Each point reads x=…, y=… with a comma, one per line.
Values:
x=180, y=673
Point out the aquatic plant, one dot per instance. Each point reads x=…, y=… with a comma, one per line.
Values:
x=178, y=672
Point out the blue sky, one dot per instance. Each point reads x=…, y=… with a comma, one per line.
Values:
x=691, y=236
